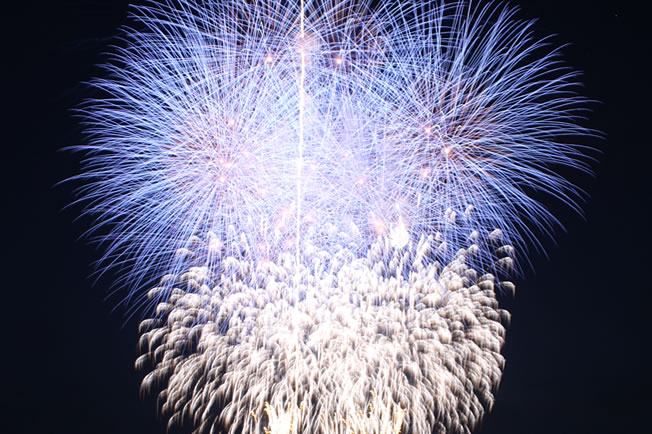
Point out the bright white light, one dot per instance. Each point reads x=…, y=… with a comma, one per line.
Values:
x=399, y=236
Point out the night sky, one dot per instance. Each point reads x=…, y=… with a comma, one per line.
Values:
x=578, y=350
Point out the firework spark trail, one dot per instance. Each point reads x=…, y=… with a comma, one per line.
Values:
x=377, y=155
x=360, y=346
x=420, y=115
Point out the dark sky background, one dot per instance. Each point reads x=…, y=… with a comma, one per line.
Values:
x=578, y=350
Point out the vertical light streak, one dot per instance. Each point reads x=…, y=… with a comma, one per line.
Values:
x=302, y=100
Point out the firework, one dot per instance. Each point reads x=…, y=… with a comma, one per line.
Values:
x=330, y=191
x=362, y=350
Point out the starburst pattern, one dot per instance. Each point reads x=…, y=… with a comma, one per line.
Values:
x=418, y=116
x=331, y=189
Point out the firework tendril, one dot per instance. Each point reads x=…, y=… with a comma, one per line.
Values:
x=329, y=194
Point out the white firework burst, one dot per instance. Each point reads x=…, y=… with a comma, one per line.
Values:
x=326, y=186
x=381, y=344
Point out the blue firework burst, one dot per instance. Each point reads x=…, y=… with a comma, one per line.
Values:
x=262, y=125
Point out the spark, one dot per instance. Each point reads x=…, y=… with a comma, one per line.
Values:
x=379, y=226
x=491, y=126
x=330, y=189
x=431, y=337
